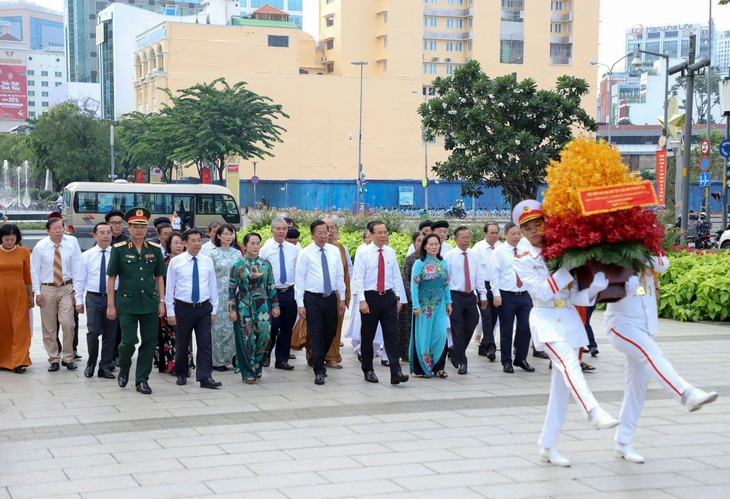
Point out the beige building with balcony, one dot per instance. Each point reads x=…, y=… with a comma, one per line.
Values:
x=406, y=45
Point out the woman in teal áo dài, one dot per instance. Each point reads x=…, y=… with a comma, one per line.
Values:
x=252, y=302
x=431, y=305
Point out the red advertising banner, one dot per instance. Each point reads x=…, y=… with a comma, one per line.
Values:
x=138, y=177
x=13, y=93
x=205, y=178
x=617, y=197
x=661, y=176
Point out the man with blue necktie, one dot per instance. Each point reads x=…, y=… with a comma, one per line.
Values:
x=192, y=303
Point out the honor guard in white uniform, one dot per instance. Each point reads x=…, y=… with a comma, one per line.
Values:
x=556, y=328
x=631, y=324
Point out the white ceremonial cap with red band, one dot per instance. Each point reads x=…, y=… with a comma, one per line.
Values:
x=527, y=210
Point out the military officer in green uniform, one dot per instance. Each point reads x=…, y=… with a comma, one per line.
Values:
x=139, y=296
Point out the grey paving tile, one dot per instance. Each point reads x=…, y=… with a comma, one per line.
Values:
x=304, y=465
x=270, y=482
x=362, y=473
x=637, y=482
x=48, y=489
x=341, y=490
x=438, y=481
x=245, y=458
x=692, y=492
x=23, y=478
x=171, y=490
x=461, y=493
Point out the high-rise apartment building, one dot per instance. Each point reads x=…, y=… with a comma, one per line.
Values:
x=32, y=61
x=80, y=18
x=672, y=40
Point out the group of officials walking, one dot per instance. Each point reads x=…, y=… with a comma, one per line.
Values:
x=121, y=284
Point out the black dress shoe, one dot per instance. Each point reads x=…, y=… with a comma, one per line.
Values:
x=319, y=379
x=593, y=351
x=482, y=351
x=105, y=373
x=359, y=357
x=77, y=356
x=524, y=366
x=123, y=378
x=267, y=361
x=283, y=365
x=397, y=378
x=220, y=369
x=144, y=388
x=462, y=369
x=181, y=380
x=539, y=355
x=507, y=368
x=89, y=371
x=71, y=366
x=292, y=356
x=210, y=383
x=370, y=377
x=491, y=354
x=385, y=363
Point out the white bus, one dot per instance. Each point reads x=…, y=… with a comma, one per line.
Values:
x=86, y=203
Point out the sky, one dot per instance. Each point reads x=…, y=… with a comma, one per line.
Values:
x=616, y=16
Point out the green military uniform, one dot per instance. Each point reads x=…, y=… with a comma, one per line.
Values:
x=137, y=300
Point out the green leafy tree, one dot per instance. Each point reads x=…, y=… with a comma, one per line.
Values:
x=502, y=132
x=211, y=125
x=699, y=113
x=71, y=142
x=15, y=147
x=148, y=141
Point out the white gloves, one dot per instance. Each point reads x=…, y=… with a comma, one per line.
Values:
x=600, y=282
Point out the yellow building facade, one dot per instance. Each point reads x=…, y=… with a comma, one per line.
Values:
x=405, y=43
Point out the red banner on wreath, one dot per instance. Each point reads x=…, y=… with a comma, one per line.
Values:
x=661, y=176
x=617, y=197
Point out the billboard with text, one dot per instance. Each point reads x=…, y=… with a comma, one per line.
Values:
x=13, y=93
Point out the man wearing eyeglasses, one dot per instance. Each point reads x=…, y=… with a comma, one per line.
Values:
x=115, y=219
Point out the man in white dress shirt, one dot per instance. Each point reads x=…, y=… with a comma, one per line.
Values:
x=53, y=267
x=282, y=256
x=485, y=250
x=320, y=294
x=466, y=285
x=91, y=298
x=379, y=286
x=191, y=297
x=512, y=302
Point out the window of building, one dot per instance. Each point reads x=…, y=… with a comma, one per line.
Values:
x=31, y=93
x=385, y=42
x=458, y=47
x=330, y=1
x=459, y=23
x=44, y=104
x=58, y=74
x=434, y=2
x=511, y=51
x=44, y=73
x=670, y=48
x=653, y=34
x=432, y=69
x=433, y=22
x=330, y=44
x=31, y=113
x=449, y=69
x=684, y=44
x=330, y=21
x=44, y=94
x=31, y=72
x=58, y=84
x=31, y=83
x=294, y=5
x=471, y=22
x=31, y=103
x=558, y=5
x=425, y=66
x=44, y=84
x=556, y=28
x=468, y=45
x=449, y=46
x=433, y=45
x=331, y=67
x=278, y=41
x=449, y=22
x=385, y=18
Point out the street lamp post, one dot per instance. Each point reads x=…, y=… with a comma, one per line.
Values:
x=359, y=142
x=610, y=88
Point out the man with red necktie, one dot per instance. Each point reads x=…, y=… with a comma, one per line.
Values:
x=464, y=282
x=378, y=284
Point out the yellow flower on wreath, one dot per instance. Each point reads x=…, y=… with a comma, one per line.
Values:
x=584, y=164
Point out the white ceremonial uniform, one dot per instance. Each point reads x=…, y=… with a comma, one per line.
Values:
x=556, y=328
x=631, y=324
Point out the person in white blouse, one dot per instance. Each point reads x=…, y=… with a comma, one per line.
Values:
x=512, y=302
x=379, y=287
x=485, y=250
x=467, y=285
x=282, y=256
x=52, y=278
x=319, y=291
x=557, y=328
x=191, y=297
x=91, y=298
x=210, y=233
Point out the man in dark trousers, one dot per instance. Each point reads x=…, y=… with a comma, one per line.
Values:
x=465, y=282
x=320, y=294
x=140, y=267
x=91, y=295
x=379, y=287
x=485, y=249
x=512, y=302
x=192, y=303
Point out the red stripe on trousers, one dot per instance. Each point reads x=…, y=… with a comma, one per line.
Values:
x=565, y=371
x=648, y=359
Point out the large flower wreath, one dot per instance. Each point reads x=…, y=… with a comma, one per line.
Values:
x=626, y=238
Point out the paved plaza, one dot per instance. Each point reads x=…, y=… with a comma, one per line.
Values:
x=62, y=435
